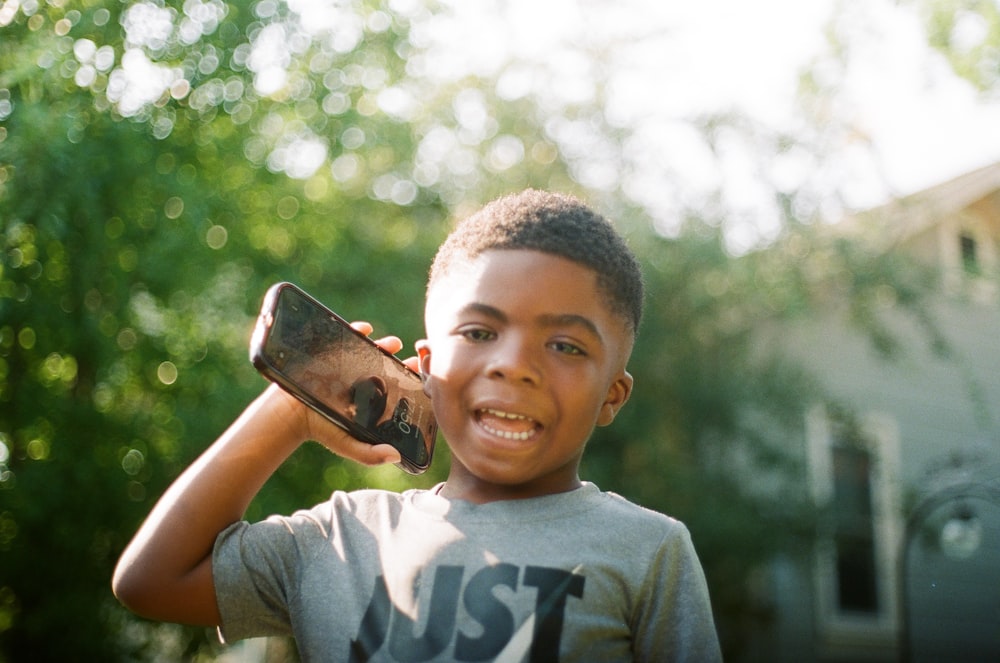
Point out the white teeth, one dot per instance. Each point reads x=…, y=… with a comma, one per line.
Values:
x=504, y=415
x=507, y=435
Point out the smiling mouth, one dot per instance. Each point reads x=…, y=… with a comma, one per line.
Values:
x=507, y=425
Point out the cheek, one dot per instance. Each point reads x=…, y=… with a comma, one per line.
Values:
x=439, y=373
x=445, y=358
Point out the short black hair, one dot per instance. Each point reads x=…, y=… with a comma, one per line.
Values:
x=556, y=224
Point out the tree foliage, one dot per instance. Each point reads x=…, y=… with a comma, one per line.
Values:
x=160, y=166
x=967, y=33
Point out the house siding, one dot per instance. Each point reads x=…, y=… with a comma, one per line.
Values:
x=938, y=416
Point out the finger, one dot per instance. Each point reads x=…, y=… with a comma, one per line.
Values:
x=387, y=453
x=413, y=363
x=340, y=442
x=363, y=327
x=369, y=454
x=391, y=344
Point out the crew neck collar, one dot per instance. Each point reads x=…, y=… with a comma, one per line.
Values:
x=544, y=507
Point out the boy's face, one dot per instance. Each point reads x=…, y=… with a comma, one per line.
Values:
x=522, y=359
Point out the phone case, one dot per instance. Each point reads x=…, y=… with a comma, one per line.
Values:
x=315, y=355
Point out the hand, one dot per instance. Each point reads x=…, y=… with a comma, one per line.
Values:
x=319, y=428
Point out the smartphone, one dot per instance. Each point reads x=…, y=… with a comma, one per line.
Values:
x=315, y=355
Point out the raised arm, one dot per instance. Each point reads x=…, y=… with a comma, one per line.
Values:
x=165, y=573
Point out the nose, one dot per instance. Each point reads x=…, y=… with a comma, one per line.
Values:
x=513, y=359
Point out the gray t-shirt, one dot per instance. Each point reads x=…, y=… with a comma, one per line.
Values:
x=382, y=576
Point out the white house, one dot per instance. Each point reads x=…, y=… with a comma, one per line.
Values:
x=906, y=455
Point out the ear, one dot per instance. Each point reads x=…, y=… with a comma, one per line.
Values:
x=424, y=360
x=618, y=394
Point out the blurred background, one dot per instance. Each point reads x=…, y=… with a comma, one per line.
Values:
x=813, y=189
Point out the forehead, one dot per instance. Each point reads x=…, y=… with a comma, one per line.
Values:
x=512, y=272
x=523, y=282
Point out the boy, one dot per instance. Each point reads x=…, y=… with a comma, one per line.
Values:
x=531, y=312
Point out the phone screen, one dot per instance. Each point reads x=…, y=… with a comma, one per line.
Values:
x=315, y=354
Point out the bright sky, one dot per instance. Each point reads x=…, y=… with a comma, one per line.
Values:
x=673, y=59
x=665, y=63
x=669, y=61
x=929, y=124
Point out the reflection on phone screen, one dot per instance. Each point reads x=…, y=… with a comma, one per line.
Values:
x=348, y=375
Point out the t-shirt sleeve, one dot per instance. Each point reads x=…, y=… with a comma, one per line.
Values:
x=674, y=620
x=252, y=568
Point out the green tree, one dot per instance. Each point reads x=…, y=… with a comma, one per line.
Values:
x=161, y=166
x=138, y=240
x=967, y=33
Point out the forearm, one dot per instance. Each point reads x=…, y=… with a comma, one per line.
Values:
x=165, y=572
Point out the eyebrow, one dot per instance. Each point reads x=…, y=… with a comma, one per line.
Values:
x=547, y=320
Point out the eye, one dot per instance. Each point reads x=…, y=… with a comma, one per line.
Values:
x=476, y=334
x=566, y=348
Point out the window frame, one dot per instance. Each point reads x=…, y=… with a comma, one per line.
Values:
x=976, y=277
x=878, y=435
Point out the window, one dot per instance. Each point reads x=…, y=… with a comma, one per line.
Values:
x=970, y=259
x=852, y=469
x=854, y=531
